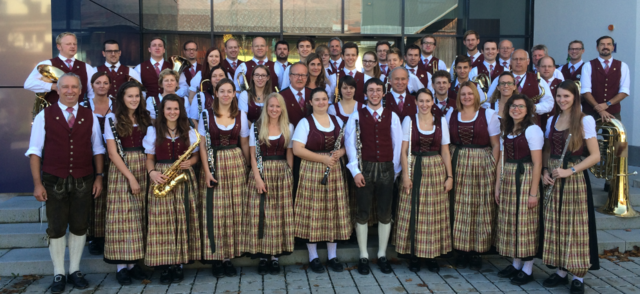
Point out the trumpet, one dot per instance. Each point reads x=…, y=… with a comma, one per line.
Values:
x=484, y=81
x=579, y=84
x=244, y=78
x=434, y=66
x=50, y=74
x=180, y=63
x=337, y=94
x=537, y=98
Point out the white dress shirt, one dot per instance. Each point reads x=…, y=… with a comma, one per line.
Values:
x=149, y=141
x=506, y=67
x=336, y=63
x=252, y=136
x=242, y=68
x=585, y=79
x=132, y=73
x=35, y=83
x=350, y=141
x=441, y=64
x=302, y=129
x=279, y=70
x=36, y=142
x=160, y=62
x=443, y=124
x=413, y=85
x=545, y=104
x=474, y=71
x=243, y=101
x=183, y=87
x=453, y=64
x=404, y=97
x=575, y=66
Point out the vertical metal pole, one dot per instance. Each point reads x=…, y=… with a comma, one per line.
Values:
x=141, y=31
x=402, y=26
x=281, y=20
x=529, y=19
x=213, y=41
x=342, y=18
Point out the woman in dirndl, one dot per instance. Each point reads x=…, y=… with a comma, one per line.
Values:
x=321, y=211
x=517, y=186
x=251, y=101
x=173, y=233
x=100, y=105
x=570, y=241
x=475, y=136
x=267, y=223
x=127, y=185
x=422, y=228
x=224, y=184
x=168, y=80
x=204, y=98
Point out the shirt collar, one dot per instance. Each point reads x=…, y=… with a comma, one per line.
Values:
x=602, y=60
x=73, y=59
x=286, y=63
x=379, y=110
x=487, y=64
x=425, y=59
x=395, y=95
x=194, y=65
x=231, y=61
x=346, y=71
x=153, y=62
x=338, y=62
x=64, y=107
x=295, y=93
x=108, y=65
x=408, y=67
x=458, y=82
x=264, y=61
x=576, y=65
x=475, y=56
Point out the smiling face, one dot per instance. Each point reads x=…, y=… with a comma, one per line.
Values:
x=519, y=62
x=259, y=47
x=112, y=53
x=441, y=85
x=273, y=108
x=172, y=111
x=156, y=48
x=490, y=51
x=368, y=61
x=381, y=51
x=350, y=57
x=564, y=99
x=466, y=97
x=335, y=49
x=298, y=76
x=169, y=84
x=101, y=86
x=393, y=61
x=216, y=76
x=471, y=42
x=506, y=85
x=304, y=49
x=315, y=67
x=575, y=51
x=506, y=48
x=260, y=77
x=226, y=94
x=132, y=98
x=191, y=51
x=462, y=70
x=374, y=94
x=518, y=110
x=68, y=46
x=231, y=49
x=320, y=102
x=69, y=90
x=425, y=102
x=213, y=58
x=428, y=46
x=605, y=47
x=413, y=57
x=399, y=81
x=347, y=91
x=546, y=68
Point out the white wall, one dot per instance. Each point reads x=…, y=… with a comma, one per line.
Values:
x=556, y=23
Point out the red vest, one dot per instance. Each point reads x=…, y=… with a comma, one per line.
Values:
x=277, y=147
x=557, y=140
x=322, y=141
x=409, y=107
x=254, y=110
x=376, y=136
x=516, y=148
x=422, y=75
x=497, y=70
x=171, y=150
x=426, y=143
x=604, y=86
x=117, y=78
x=150, y=78
x=274, y=77
x=359, y=96
x=476, y=132
x=227, y=66
x=343, y=117
x=566, y=72
x=429, y=67
x=334, y=69
x=208, y=101
x=293, y=107
x=134, y=139
x=224, y=138
x=79, y=68
x=478, y=61
x=67, y=151
x=187, y=73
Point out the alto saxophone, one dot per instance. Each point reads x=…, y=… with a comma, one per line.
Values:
x=174, y=174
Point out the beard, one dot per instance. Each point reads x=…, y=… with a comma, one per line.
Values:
x=605, y=53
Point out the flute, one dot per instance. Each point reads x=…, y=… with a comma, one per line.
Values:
x=547, y=194
x=336, y=147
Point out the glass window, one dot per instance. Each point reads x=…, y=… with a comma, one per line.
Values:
x=372, y=17
x=445, y=48
x=245, y=53
x=496, y=17
x=90, y=46
x=246, y=16
x=174, y=43
x=183, y=15
x=109, y=13
x=310, y=16
x=431, y=16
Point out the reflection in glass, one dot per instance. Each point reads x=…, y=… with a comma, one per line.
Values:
x=372, y=17
x=183, y=15
x=174, y=43
x=496, y=17
x=445, y=48
x=246, y=16
x=431, y=16
x=309, y=16
x=109, y=13
x=245, y=53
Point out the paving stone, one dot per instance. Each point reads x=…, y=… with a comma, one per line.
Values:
x=396, y=289
x=251, y=285
x=462, y=287
x=299, y=291
x=506, y=286
x=106, y=291
x=388, y=281
x=630, y=290
x=617, y=282
x=485, y=287
x=429, y=277
x=476, y=277
x=533, y=286
x=274, y=285
x=159, y=289
x=346, y=289
x=370, y=290
x=438, y=287
x=228, y=286
x=343, y=283
x=596, y=283
x=539, y=292
x=298, y=284
x=602, y=273
x=296, y=276
x=131, y=290
x=453, y=278
x=621, y=272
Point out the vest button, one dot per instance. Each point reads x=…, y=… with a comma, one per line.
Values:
x=70, y=171
x=71, y=141
x=71, y=165
x=70, y=152
x=72, y=147
x=71, y=159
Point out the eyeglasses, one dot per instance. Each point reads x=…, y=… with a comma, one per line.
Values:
x=298, y=76
x=260, y=76
x=504, y=84
x=429, y=43
x=368, y=61
x=190, y=49
x=518, y=106
x=112, y=51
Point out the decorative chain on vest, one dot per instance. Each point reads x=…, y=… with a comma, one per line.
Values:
x=425, y=143
x=466, y=134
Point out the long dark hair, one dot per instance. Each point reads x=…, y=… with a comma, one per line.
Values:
x=233, y=109
x=124, y=125
x=575, y=123
x=508, y=124
x=321, y=80
x=206, y=70
x=182, y=127
x=267, y=86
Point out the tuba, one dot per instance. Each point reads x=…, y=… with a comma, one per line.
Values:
x=537, y=98
x=174, y=174
x=484, y=81
x=50, y=74
x=613, y=167
x=180, y=63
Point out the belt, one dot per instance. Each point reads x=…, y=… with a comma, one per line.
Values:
x=133, y=149
x=274, y=157
x=415, y=191
x=166, y=161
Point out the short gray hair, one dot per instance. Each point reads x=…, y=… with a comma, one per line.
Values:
x=69, y=74
x=399, y=68
x=540, y=47
x=336, y=39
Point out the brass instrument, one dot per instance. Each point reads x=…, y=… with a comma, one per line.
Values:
x=547, y=193
x=337, y=93
x=537, y=98
x=409, y=161
x=484, y=81
x=336, y=146
x=434, y=66
x=174, y=174
x=244, y=78
x=386, y=91
x=579, y=84
x=277, y=90
x=358, y=145
x=180, y=63
x=50, y=74
x=198, y=96
x=613, y=167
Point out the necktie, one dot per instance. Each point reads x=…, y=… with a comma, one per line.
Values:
x=384, y=68
x=504, y=64
x=491, y=69
x=69, y=63
x=234, y=64
x=472, y=58
x=260, y=62
x=157, y=66
x=284, y=66
x=443, y=103
x=572, y=69
x=192, y=70
x=401, y=104
x=300, y=100
x=375, y=116
x=350, y=73
x=548, y=82
x=606, y=66
x=335, y=64
x=518, y=78
x=113, y=68
x=413, y=71
x=72, y=118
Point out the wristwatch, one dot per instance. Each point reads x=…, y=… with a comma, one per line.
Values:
x=100, y=174
x=573, y=170
x=609, y=103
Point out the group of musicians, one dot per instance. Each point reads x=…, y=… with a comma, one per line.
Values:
x=216, y=162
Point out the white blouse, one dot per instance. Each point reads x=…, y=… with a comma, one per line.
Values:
x=588, y=126
x=332, y=109
x=244, y=125
x=445, y=130
x=302, y=129
x=108, y=132
x=149, y=141
x=243, y=101
x=252, y=137
x=535, y=137
x=490, y=114
x=152, y=110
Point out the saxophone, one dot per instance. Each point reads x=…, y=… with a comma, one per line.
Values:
x=174, y=174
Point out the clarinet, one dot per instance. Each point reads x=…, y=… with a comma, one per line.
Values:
x=118, y=143
x=409, y=161
x=358, y=145
x=210, y=158
x=547, y=194
x=258, y=153
x=336, y=147
x=155, y=107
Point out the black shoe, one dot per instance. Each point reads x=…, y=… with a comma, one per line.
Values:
x=123, y=277
x=177, y=274
x=577, y=287
x=508, y=272
x=414, y=264
x=555, y=280
x=363, y=266
x=433, y=266
x=521, y=278
x=607, y=186
x=462, y=261
x=263, y=267
x=229, y=270
x=96, y=246
x=475, y=263
x=165, y=277
x=77, y=280
x=138, y=273
x=216, y=269
x=316, y=266
x=59, y=281
x=335, y=265
x=384, y=265
x=274, y=269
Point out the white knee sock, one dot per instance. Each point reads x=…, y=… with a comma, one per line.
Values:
x=274, y=258
x=361, y=233
x=384, y=230
x=578, y=278
x=313, y=251
x=76, y=246
x=331, y=250
x=130, y=266
x=121, y=267
x=517, y=263
x=528, y=267
x=56, y=249
x=561, y=273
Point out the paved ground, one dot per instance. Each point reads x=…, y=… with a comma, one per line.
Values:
x=612, y=278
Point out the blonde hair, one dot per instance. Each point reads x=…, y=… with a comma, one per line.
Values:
x=476, y=95
x=62, y=35
x=167, y=71
x=262, y=124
